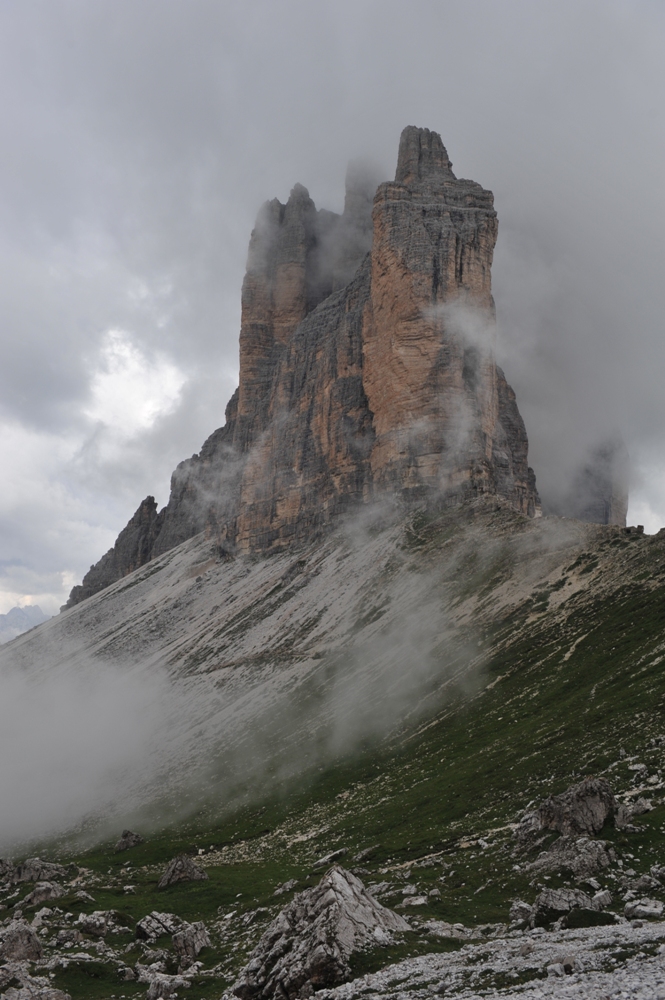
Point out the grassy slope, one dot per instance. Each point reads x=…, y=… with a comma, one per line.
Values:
x=567, y=685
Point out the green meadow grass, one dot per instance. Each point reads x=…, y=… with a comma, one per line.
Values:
x=562, y=696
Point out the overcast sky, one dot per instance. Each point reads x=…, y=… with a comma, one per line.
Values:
x=139, y=139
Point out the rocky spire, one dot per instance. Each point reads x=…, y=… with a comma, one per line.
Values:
x=422, y=157
x=366, y=367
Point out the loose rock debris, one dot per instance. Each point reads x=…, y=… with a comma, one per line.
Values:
x=593, y=963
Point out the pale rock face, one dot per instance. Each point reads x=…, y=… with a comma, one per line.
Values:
x=181, y=869
x=36, y=870
x=189, y=941
x=308, y=945
x=42, y=892
x=19, y=942
x=367, y=368
x=581, y=855
x=582, y=809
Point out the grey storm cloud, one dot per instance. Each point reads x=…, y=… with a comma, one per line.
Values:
x=140, y=139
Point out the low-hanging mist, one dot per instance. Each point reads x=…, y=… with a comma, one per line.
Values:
x=247, y=674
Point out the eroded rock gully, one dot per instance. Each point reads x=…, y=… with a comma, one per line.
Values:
x=366, y=367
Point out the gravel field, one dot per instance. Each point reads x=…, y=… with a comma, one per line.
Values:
x=607, y=962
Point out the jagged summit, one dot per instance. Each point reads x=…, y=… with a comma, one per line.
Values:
x=366, y=367
x=422, y=156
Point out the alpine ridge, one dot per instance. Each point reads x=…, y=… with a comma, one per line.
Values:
x=367, y=368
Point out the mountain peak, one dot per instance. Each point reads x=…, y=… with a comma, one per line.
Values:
x=367, y=369
x=422, y=156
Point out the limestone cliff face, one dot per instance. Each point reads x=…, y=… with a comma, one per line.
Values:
x=366, y=366
x=134, y=547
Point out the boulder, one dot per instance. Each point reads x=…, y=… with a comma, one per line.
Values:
x=528, y=827
x=579, y=855
x=19, y=942
x=329, y=859
x=162, y=986
x=189, y=940
x=68, y=935
x=42, y=892
x=286, y=887
x=127, y=840
x=33, y=992
x=520, y=912
x=181, y=869
x=645, y=883
x=309, y=944
x=644, y=909
x=98, y=923
x=36, y=870
x=41, y=917
x=626, y=813
x=551, y=904
x=155, y=924
x=442, y=929
x=582, y=809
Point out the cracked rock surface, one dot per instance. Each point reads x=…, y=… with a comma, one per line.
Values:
x=309, y=944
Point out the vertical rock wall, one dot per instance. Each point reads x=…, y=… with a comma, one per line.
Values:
x=366, y=365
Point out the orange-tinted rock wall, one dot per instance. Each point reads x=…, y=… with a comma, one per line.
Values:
x=366, y=365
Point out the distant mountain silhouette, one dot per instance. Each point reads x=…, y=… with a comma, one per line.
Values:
x=19, y=620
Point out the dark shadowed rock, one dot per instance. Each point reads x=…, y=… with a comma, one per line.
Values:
x=127, y=840
x=18, y=942
x=309, y=944
x=584, y=808
x=181, y=869
x=520, y=912
x=132, y=549
x=551, y=904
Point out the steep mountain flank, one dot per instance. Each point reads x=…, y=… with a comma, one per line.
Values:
x=402, y=696
x=366, y=367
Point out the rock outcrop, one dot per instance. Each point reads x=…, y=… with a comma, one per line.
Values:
x=128, y=840
x=581, y=811
x=308, y=945
x=189, y=941
x=583, y=856
x=558, y=904
x=366, y=367
x=36, y=870
x=181, y=869
x=18, y=942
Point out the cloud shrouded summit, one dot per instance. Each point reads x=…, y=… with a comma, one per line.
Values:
x=140, y=141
